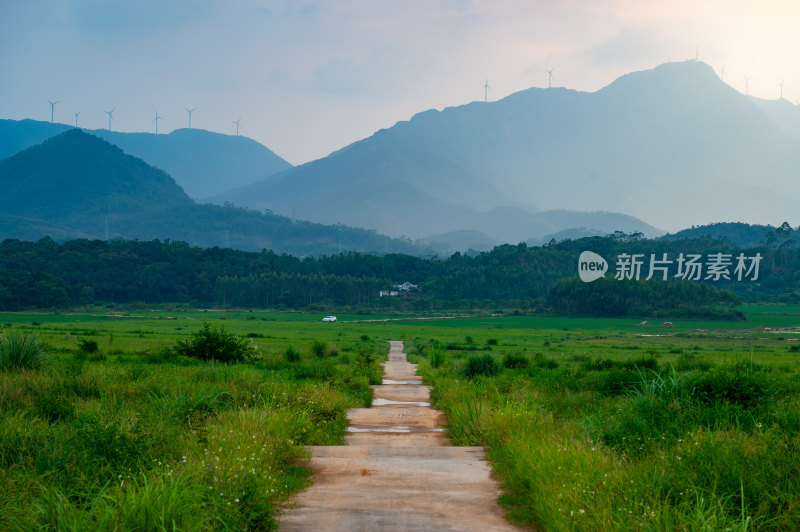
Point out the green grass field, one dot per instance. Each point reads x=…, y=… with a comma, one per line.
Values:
x=132, y=437
x=591, y=424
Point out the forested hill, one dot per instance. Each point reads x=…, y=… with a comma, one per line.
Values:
x=45, y=274
x=742, y=234
x=74, y=176
x=204, y=163
x=76, y=185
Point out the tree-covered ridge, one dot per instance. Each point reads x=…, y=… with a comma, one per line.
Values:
x=75, y=185
x=75, y=174
x=609, y=297
x=741, y=234
x=46, y=274
x=203, y=163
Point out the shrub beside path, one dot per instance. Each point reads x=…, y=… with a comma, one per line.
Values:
x=398, y=471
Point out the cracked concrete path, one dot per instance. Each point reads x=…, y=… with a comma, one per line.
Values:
x=398, y=472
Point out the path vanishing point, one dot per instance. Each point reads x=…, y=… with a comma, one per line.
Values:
x=398, y=472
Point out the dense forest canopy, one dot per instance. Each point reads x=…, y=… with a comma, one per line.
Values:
x=46, y=274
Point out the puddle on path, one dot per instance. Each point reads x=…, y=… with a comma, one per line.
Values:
x=392, y=381
x=386, y=402
x=397, y=428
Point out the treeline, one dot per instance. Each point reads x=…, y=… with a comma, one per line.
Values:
x=610, y=297
x=742, y=235
x=46, y=274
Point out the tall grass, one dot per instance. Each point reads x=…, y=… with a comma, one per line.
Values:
x=145, y=502
x=134, y=442
x=591, y=443
x=21, y=351
x=435, y=357
x=481, y=365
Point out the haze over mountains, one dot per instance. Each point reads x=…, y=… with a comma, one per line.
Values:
x=76, y=185
x=202, y=162
x=673, y=146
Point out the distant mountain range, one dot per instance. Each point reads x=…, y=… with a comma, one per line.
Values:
x=415, y=188
x=76, y=185
x=674, y=146
x=202, y=162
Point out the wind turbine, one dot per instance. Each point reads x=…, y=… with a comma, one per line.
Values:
x=549, y=77
x=190, y=115
x=76, y=118
x=747, y=85
x=237, y=125
x=157, y=118
x=110, y=116
x=52, y=107
x=486, y=90
x=722, y=73
x=781, y=86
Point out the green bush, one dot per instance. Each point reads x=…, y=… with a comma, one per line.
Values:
x=291, y=354
x=88, y=346
x=515, y=361
x=735, y=386
x=542, y=361
x=640, y=364
x=21, y=351
x=481, y=365
x=212, y=343
x=320, y=348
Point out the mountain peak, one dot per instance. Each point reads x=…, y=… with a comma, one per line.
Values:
x=77, y=139
x=78, y=172
x=680, y=77
x=203, y=162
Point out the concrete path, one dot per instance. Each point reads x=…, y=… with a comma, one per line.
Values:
x=398, y=472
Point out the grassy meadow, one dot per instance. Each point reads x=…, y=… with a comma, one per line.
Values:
x=591, y=424
x=131, y=437
x=606, y=425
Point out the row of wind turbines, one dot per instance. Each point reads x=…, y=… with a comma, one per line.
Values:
x=746, y=80
x=156, y=119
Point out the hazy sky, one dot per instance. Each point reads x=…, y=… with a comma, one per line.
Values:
x=310, y=77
